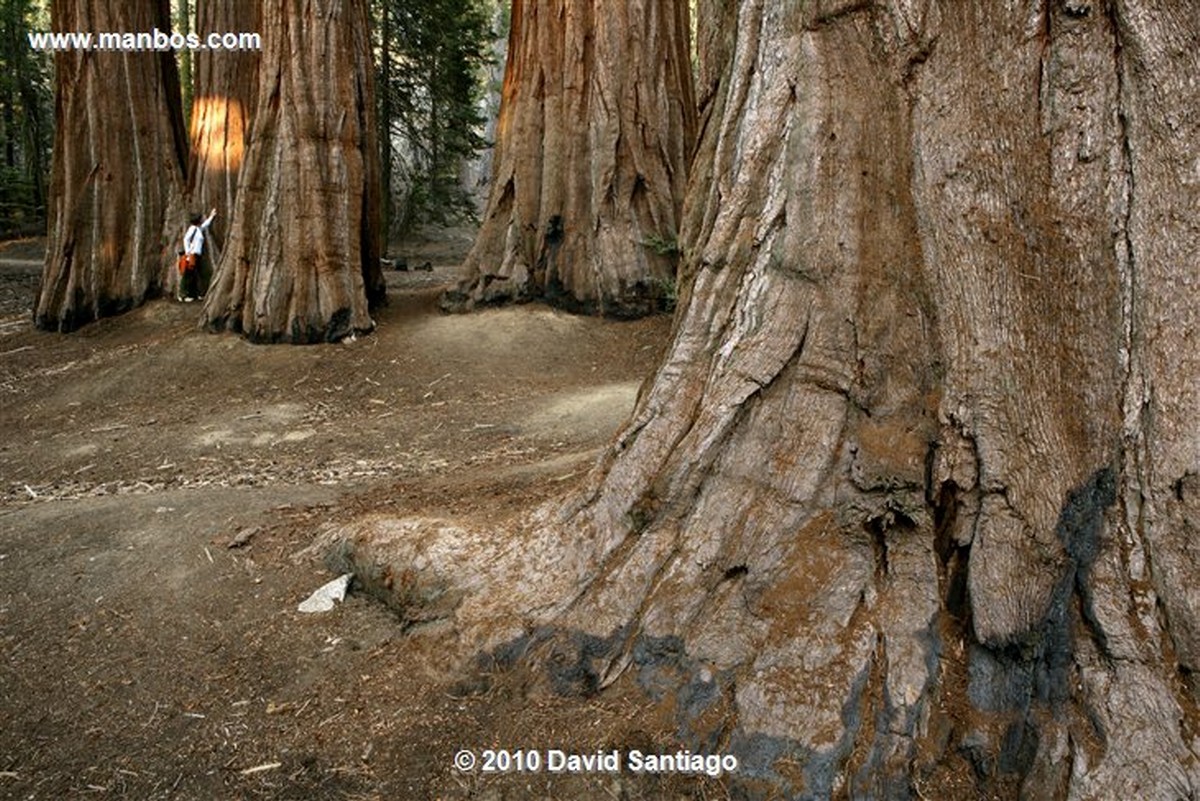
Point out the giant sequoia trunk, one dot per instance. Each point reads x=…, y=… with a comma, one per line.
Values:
x=302, y=261
x=913, y=499
x=223, y=99
x=592, y=146
x=224, y=95
x=117, y=175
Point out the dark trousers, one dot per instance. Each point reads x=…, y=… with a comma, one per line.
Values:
x=189, y=276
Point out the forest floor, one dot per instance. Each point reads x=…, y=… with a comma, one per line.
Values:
x=142, y=657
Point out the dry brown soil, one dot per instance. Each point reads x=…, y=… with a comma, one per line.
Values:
x=143, y=658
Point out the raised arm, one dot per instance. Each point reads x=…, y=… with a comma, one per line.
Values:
x=212, y=214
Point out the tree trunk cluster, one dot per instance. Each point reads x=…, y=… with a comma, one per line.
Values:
x=302, y=261
x=910, y=509
x=593, y=141
x=917, y=483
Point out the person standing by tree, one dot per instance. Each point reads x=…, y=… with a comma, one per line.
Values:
x=189, y=259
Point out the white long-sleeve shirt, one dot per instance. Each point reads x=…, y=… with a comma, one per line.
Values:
x=193, y=240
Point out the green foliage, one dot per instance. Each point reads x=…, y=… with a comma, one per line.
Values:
x=431, y=63
x=663, y=245
x=26, y=120
x=668, y=294
x=667, y=246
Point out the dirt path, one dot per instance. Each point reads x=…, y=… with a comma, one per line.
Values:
x=143, y=658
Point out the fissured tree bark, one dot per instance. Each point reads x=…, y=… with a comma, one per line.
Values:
x=224, y=94
x=223, y=100
x=910, y=509
x=117, y=173
x=302, y=261
x=595, y=133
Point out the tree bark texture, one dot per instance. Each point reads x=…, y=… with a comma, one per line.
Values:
x=911, y=507
x=117, y=174
x=593, y=141
x=224, y=96
x=915, y=475
x=302, y=261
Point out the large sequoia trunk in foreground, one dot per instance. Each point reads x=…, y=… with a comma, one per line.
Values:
x=914, y=499
x=302, y=261
x=595, y=132
x=117, y=176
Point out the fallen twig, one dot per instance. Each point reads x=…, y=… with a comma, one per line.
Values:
x=261, y=768
x=153, y=715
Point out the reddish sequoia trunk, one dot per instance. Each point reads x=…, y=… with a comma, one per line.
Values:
x=223, y=99
x=912, y=503
x=225, y=92
x=117, y=175
x=595, y=132
x=302, y=261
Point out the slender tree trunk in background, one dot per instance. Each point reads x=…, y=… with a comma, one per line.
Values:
x=33, y=139
x=10, y=36
x=911, y=507
x=225, y=93
x=302, y=260
x=10, y=142
x=119, y=151
x=23, y=85
x=386, y=113
x=595, y=132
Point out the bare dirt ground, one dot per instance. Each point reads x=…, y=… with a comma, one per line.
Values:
x=141, y=657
